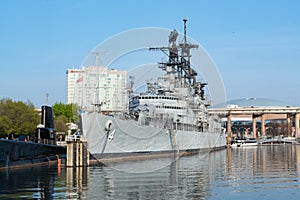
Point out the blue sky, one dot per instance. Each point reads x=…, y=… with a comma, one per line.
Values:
x=255, y=44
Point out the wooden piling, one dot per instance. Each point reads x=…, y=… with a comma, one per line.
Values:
x=77, y=152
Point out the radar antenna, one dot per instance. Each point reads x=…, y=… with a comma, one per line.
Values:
x=179, y=63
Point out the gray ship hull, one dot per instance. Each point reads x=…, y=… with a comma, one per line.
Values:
x=111, y=138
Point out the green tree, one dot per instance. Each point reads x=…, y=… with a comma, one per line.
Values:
x=67, y=110
x=17, y=117
x=60, y=123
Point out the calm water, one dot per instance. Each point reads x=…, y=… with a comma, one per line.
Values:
x=267, y=172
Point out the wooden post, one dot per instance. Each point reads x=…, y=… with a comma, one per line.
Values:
x=69, y=179
x=77, y=153
x=70, y=154
x=85, y=154
x=81, y=154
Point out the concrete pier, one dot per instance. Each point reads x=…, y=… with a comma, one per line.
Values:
x=289, y=126
x=297, y=125
x=254, y=125
x=263, y=128
x=77, y=152
x=229, y=129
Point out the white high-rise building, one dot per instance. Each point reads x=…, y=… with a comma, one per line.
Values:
x=97, y=85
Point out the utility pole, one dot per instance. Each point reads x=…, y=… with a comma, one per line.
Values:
x=47, y=96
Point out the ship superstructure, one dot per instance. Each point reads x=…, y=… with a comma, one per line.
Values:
x=175, y=99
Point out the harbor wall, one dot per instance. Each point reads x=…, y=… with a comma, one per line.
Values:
x=18, y=153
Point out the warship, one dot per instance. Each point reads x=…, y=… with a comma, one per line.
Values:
x=169, y=117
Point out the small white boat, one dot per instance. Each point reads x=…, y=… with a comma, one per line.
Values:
x=244, y=142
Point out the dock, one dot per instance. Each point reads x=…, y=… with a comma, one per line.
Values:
x=77, y=151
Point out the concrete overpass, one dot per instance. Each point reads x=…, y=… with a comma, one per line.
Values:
x=259, y=112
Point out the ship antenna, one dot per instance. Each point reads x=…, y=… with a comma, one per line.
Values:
x=184, y=22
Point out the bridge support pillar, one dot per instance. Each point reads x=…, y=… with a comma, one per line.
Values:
x=229, y=135
x=297, y=128
x=289, y=127
x=254, y=125
x=263, y=128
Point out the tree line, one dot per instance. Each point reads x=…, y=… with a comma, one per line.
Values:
x=17, y=118
x=63, y=114
x=21, y=118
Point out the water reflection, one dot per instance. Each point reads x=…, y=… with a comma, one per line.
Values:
x=184, y=178
x=264, y=159
x=77, y=182
x=28, y=183
x=266, y=172
x=263, y=172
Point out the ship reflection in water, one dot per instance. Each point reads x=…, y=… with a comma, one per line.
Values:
x=264, y=172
